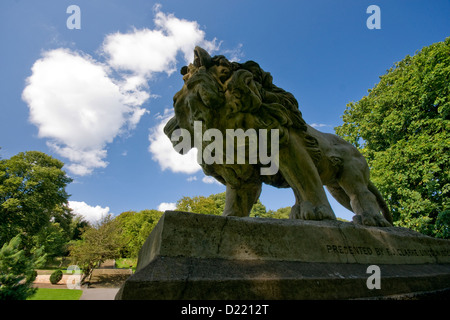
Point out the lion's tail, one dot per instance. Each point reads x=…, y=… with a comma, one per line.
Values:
x=384, y=208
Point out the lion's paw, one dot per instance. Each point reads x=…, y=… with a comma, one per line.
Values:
x=295, y=212
x=307, y=211
x=371, y=220
x=325, y=213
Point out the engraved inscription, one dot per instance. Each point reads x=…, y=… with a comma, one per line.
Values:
x=376, y=251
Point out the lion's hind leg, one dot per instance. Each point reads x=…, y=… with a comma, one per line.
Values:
x=339, y=194
x=354, y=181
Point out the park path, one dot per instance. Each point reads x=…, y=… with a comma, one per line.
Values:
x=99, y=293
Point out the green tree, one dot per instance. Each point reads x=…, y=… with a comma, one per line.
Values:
x=281, y=213
x=200, y=204
x=32, y=193
x=214, y=204
x=134, y=228
x=17, y=270
x=97, y=244
x=403, y=129
x=77, y=226
x=53, y=239
x=258, y=210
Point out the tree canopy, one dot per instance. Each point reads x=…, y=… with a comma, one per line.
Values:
x=97, y=244
x=134, y=228
x=402, y=128
x=32, y=193
x=214, y=204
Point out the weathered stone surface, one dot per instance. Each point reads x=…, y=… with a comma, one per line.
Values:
x=194, y=256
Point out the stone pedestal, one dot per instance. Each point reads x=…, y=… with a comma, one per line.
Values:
x=195, y=256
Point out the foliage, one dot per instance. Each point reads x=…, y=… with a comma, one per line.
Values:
x=56, y=276
x=442, y=225
x=402, y=128
x=214, y=204
x=258, y=210
x=134, y=228
x=53, y=238
x=32, y=193
x=282, y=213
x=97, y=244
x=77, y=227
x=17, y=270
x=53, y=263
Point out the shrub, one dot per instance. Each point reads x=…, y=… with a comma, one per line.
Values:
x=56, y=276
x=17, y=270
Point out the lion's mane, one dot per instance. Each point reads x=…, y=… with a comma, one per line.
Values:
x=279, y=109
x=238, y=96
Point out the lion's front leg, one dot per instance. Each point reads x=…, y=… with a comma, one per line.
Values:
x=306, y=211
x=301, y=174
x=240, y=200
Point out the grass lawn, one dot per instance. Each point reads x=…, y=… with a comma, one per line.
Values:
x=56, y=294
x=126, y=263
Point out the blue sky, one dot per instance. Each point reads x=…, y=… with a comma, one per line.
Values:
x=121, y=70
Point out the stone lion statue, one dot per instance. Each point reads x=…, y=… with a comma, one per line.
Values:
x=225, y=95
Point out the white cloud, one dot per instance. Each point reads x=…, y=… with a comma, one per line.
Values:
x=82, y=161
x=210, y=180
x=73, y=102
x=80, y=107
x=191, y=178
x=163, y=152
x=235, y=54
x=319, y=125
x=167, y=206
x=144, y=52
x=89, y=213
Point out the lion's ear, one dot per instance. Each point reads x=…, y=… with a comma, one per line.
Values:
x=201, y=58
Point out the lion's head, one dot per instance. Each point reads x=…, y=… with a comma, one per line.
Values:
x=230, y=95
